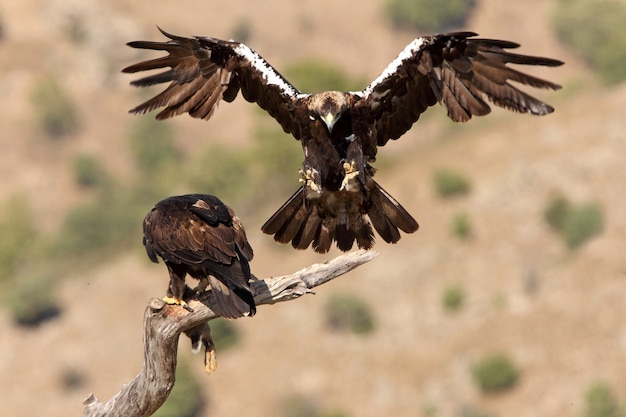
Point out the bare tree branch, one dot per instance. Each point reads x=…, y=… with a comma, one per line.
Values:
x=164, y=323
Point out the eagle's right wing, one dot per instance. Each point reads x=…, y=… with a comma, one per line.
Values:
x=203, y=71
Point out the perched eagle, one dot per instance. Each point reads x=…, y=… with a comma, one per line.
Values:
x=197, y=234
x=340, y=131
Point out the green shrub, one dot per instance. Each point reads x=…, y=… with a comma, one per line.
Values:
x=17, y=237
x=583, y=223
x=108, y=223
x=449, y=183
x=152, y=145
x=55, y=111
x=429, y=16
x=453, y=298
x=556, y=212
x=312, y=76
x=32, y=300
x=594, y=29
x=461, y=226
x=185, y=399
x=601, y=402
x=576, y=224
x=222, y=171
x=495, y=372
x=88, y=171
x=225, y=334
x=347, y=312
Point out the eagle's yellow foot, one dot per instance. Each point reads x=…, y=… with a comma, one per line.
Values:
x=307, y=179
x=176, y=301
x=350, y=173
x=210, y=360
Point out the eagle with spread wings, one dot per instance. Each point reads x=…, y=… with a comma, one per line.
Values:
x=197, y=234
x=340, y=132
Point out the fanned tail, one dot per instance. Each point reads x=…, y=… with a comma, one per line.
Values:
x=339, y=218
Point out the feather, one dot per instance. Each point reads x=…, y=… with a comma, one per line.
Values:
x=214, y=67
x=309, y=231
x=198, y=235
x=283, y=215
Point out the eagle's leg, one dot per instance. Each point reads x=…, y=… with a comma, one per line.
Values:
x=176, y=289
x=306, y=178
x=350, y=173
x=202, y=285
x=201, y=336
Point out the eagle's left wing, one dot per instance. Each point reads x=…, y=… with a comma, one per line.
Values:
x=226, y=226
x=458, y=70
x=203, y=71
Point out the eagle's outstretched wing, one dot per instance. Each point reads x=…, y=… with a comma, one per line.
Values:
x=203, y=71
x=458, y=70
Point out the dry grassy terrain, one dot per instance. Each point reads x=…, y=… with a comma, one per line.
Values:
x=558, y=314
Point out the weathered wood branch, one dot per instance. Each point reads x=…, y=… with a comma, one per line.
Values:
x=164, y=323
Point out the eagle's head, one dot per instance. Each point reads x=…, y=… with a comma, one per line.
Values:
x=328, y=107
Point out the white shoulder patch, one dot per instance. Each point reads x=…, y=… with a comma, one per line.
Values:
x=269, y=73
x=201, y=204
x=407, y=53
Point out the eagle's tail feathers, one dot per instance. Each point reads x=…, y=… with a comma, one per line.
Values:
x=387, y=216
x=309, y=232
x=344, y=237
x=325, y=237
x=283, y=216
x=364, y=234
x=232, y=303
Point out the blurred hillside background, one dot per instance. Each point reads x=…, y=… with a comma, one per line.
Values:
x=509, y=300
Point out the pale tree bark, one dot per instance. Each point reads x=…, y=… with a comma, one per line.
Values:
x=164, y=323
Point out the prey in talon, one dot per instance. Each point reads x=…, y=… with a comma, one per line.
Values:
x=200, y=336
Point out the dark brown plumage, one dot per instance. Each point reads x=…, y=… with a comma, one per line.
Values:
x=341, y=131
x=197, y=234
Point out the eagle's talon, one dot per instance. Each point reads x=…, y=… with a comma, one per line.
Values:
x=350, y=173
x=306, y=178
x=176, y=301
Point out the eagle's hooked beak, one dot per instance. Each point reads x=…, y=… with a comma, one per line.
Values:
x=329, y=120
